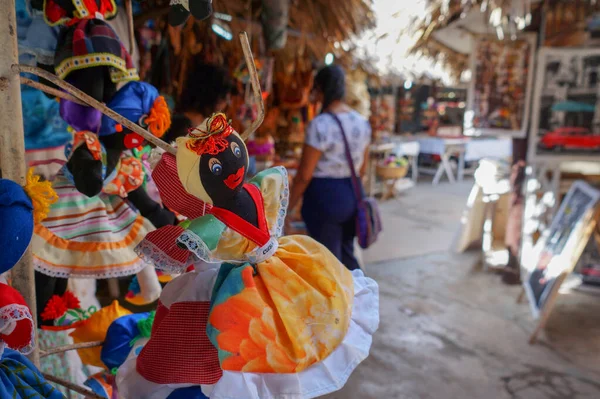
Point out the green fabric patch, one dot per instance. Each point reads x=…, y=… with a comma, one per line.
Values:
x=209, y=229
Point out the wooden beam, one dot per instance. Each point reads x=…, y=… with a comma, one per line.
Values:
x=12, y=142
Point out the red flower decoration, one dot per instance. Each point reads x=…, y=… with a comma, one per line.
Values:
x=71, y=300
x=55, y=308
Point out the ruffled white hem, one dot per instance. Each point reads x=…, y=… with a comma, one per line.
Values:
x=320, y=379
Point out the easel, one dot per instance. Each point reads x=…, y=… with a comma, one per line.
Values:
x=592, y=228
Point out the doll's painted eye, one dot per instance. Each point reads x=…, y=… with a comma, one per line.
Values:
x=237, y=151
x=215, y=166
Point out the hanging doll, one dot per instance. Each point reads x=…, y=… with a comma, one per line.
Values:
x=280, y=316
x=92, y=235
x=19, y=378
x=181, y=9
x=64, y=316
x=20, y=208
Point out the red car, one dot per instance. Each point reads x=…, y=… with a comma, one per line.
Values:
x=570, y=138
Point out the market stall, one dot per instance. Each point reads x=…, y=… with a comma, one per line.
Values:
x=503, y=43
x=90, y=91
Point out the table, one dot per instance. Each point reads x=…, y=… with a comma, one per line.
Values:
x=467, y=149
x=445, y=148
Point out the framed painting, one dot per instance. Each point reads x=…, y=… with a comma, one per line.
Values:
x=559, y=250
x=501, y=84
x=566, y=106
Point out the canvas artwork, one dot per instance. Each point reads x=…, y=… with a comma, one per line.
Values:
x=500, y=90
x=566, y=110
x=561, y=248
x=589, y=263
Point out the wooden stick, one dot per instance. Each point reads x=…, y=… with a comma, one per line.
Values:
x=96, y=104
x=255, y=86
x=50, y=90
x=73, y=387
x=65, y=348
x=12, y=144
x=129, y=9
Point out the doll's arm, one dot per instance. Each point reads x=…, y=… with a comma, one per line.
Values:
x=150, y=209
x=86, y=171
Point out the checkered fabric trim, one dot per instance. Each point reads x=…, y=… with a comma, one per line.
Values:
x=179, y=351
x=160, y=248
x=173, y=193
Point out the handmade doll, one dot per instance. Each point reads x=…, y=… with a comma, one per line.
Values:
x=281, y=316
x=19, y=378
x=68, y=318
x=66, y=12
x=90, y=56
x=20, y=208
x=92, y=231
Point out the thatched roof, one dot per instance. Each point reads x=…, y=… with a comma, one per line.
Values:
x=446, y=13
x=565, y=21
x=320, y=23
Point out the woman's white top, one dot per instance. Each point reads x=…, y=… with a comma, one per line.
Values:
x=324, y=134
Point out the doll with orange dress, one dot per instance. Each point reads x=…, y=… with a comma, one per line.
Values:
x=263, y=315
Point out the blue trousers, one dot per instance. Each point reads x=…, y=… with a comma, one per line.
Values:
x=329, y=210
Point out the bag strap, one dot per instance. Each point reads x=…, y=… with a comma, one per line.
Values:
x=355, y=182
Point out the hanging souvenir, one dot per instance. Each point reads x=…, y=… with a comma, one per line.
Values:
x=90, y=56
x=92, y=230
x=181, y=9
x=69, y=12
x=223, y=325
x=275, y=19
x=20, y=208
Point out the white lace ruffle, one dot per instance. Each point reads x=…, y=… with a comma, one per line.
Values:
x=10, y=315
x=284, y=200
x=196, y=246
x=50, y=270
x=154, y=256
x=320, y=379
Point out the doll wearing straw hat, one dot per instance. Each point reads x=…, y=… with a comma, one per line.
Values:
x=280, y=315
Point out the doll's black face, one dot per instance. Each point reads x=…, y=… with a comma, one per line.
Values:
x=223, y=175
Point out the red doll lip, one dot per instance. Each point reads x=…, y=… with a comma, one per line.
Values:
x=234, y=179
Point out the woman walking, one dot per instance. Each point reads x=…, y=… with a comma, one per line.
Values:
x=324, y=179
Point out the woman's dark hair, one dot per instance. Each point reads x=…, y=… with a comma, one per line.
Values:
x=205, y=86
x=331, y=81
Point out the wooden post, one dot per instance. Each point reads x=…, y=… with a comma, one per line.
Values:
x=12, y=141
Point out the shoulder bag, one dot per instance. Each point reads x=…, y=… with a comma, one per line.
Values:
x=368, y=219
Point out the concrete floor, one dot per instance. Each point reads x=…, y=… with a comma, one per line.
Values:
x=450, y=331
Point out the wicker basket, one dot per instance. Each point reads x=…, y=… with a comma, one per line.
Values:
x=391, y=172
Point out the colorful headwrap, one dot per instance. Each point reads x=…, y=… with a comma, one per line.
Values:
x=141, y=103
x=20, y=208
x=208, y=138
x=91, y=43
x=122, y=335
x=16, y=324
x=55, y=14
